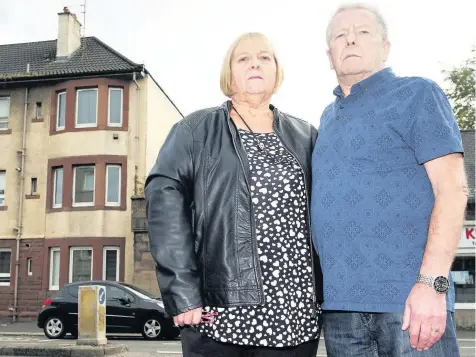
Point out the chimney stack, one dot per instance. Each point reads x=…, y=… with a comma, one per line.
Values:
x=69, y=34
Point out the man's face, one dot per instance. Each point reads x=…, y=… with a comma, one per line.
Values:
x=356, y=45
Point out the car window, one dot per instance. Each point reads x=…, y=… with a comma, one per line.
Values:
x=113, y=294
x=73, y=290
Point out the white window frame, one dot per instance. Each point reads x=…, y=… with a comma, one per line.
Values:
x=109, y=107
x=89, y=125
x=8, y=118
x=58, y=128
x=84, y=204
x=7, y=275
x=51, y=286
x=118, y=250
x=29, y=266
x=118, y=203
x=55, y=172
x=71, y=250
x=2, y=195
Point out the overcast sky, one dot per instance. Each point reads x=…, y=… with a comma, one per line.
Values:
x=182, y=42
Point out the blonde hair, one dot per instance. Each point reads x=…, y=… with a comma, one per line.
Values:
x=226, y=75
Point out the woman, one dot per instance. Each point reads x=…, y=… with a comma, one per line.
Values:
x=227, y=206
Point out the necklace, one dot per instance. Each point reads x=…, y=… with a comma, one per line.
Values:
x=277, y=158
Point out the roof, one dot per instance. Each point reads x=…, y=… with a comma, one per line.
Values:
x=92, y=57
x=468, y=137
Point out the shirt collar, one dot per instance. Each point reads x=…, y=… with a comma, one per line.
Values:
x=381, y=76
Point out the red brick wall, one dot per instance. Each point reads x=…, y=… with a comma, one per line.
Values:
x=30, y=293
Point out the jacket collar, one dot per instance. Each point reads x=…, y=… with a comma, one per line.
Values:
x=227, y=105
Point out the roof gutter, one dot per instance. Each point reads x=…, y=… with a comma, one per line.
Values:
x=59, y=77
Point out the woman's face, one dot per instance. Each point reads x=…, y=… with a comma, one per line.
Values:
x=253, y=67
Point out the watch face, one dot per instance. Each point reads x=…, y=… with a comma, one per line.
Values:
x=441, y=284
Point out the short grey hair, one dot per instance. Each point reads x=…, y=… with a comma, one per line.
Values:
x=381, y=23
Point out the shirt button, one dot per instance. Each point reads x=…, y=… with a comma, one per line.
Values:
x=341, y=107
x=337, y=117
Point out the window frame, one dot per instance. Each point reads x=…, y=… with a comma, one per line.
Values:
x=50, y=273
x=39, y=106
x=6, y=98
x=9, y=274
x=58, y=127
x=121, y=111
x=71, y=261
x=29, y=266
x=83, y=204
x=106, y=202
x=2, y=195
x=55, y=171
x=88, y=125
x=118, y=261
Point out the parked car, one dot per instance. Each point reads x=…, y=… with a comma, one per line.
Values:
x=129, y=309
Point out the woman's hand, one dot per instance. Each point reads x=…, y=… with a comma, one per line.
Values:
x=192, y=317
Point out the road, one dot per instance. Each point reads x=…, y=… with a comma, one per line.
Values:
x=141, y=348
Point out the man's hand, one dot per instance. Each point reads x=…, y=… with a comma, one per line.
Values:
x=425, y=314
x=192, y=317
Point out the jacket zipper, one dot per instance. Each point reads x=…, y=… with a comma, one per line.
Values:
x=308, y=220
x=253, y=223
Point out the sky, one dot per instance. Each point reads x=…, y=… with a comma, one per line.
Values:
x=183, y=42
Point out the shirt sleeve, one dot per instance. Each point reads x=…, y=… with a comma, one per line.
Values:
x=435, y=132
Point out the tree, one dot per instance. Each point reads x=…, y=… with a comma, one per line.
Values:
x=462, y=91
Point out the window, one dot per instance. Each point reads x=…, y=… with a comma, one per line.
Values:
x=114, y=293
x=86, y=107
x=83, y=186
x=115, y=107
x=3, y=175
x=57, y=187
x=462, y=273
x=110, y=263
x=29, y=268
x=54, y=268
x=4, y=112
x=113, y=185
x=61, y=112
x=34, y=186
x=80, y=264
x=5, y=265
x=38, y=112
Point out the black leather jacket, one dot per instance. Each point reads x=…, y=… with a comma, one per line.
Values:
x=201, y=223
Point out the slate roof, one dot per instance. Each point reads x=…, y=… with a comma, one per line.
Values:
x=92, y=57
x=468, y=137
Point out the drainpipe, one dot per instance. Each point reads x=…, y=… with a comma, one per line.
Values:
x=136, y=138
x=19, y=226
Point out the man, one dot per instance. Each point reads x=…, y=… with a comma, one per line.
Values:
x=388, y=201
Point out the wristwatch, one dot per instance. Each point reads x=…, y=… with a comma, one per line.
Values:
x=439, y=283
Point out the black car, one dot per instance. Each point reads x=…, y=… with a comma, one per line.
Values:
x=129, y=309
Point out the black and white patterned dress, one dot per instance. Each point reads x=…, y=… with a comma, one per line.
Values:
x=287, y=317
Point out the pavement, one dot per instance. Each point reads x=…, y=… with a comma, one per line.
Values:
x=27, y=334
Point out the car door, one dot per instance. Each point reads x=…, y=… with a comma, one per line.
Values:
x=121, y=309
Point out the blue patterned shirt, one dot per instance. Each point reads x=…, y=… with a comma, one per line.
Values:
x=371, y=197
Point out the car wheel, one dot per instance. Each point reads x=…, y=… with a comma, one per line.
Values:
x=152, y=328
x=54, y=327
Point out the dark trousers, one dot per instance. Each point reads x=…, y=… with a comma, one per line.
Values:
x=194, y=344
x=356, y=334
